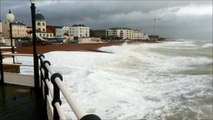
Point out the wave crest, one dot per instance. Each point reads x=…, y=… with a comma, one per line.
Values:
x=207, y=45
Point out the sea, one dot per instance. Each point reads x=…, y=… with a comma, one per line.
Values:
x=170, y=80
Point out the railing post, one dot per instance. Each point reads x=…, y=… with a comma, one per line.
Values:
x=44, y=91
x=41, y=76
x=56, y=94
x=1, y=69
x=46, y=77
x=58, y=87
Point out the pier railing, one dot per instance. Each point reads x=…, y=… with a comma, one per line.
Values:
x=51, y=86
x=11, y=67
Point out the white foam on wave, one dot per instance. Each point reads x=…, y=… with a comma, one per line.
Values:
x=180, y=45
x=207, y=45
x=132, y=83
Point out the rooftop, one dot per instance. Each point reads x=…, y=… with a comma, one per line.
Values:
x=78, y=25
x=18, y=23
x=119, y=28
x=39, y=16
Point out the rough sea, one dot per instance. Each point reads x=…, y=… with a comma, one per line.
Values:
x=150, y=81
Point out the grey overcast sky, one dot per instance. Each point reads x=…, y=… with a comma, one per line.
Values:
x=184, y=19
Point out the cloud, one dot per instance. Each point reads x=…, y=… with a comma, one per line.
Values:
x=197, y=10
x=176, y=16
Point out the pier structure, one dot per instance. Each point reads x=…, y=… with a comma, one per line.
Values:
x=21, y=98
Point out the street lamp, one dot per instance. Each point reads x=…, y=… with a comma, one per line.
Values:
x=155, y=19
x=10, y=17
x=35, y=56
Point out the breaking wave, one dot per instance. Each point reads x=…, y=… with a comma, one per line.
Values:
x=136, y=83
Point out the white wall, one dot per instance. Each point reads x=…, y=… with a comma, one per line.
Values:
x=42, y=25
x=80, y=31
x=138, y=35
x=0, y=27
x=59, y=32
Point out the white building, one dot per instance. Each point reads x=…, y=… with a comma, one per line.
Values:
x=80, y=30
x=59, y=31
x=0, y=27
x=41, y=26
x=138, y=34
x=19, y=30
x=124, y=33
x=1, y=34
x=40, y=23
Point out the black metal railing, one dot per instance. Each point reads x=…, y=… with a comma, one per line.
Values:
x=1, y=68
x=51, y=86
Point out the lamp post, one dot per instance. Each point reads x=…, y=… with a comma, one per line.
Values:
x=35, y=56
x=10, y=17
x=155, y=19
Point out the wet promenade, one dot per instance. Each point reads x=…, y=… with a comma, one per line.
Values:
x=18, y=103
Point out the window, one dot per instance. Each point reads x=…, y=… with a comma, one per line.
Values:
x=43, y=30
x=43, y=24
x=38, y=23
x=39, y=30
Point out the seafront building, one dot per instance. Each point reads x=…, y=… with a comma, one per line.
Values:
x=1, y=34
x=138, y=34
x=80, y=30
x=59, y=31
x=120, y=33
x=125, y=33
x=19, y=30
x=0, y=26
x=41, y=27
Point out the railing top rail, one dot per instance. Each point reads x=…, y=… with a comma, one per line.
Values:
x=68, y=96
x=3, y=48
x=14, y=64
x=15, y=54
x=71, y=100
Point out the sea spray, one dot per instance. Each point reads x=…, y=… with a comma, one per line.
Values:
x=170, y=80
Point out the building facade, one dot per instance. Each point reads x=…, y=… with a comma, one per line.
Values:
x=40, y=23
x=124, y=33
x=138, y=34
x=1, y=34
x=19, y=30
x=41, y=27
x=79, y=31
x=60, y=32
x=0, y=27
